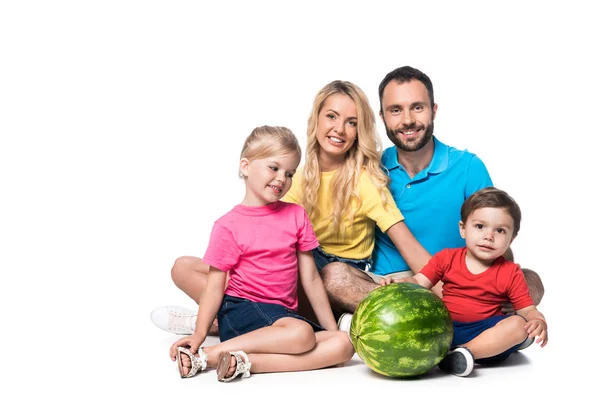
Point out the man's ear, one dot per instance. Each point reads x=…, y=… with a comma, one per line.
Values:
x=244, y=166
x=434, y=111
x=461, y=229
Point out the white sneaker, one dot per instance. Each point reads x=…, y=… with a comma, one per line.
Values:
x=344, y=322
x=174, y=319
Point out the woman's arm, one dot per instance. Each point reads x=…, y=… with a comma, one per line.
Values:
x=315, y=290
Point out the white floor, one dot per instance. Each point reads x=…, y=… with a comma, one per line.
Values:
x=121, y=127
x=533, y=372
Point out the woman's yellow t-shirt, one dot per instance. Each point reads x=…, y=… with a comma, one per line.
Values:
x=359, y=237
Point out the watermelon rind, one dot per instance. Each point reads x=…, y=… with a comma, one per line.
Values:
x=401, y=330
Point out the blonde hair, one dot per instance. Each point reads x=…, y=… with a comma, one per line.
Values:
x=365, y=155
x=267, y=141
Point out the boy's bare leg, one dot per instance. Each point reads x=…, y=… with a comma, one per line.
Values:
x=507, y=333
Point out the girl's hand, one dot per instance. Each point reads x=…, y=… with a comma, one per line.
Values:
x=537, y=327
x=193, y=342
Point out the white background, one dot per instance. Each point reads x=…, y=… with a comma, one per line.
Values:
x=121, y=124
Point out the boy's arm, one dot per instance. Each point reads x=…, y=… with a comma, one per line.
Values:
x=315, y=290
x=536, y=324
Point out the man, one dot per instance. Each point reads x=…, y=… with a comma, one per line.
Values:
x=429, y=182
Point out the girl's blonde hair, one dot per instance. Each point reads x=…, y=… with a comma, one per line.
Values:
x=268, y=141
x=365, y=155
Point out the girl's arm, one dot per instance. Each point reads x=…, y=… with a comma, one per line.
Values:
x=315, y=290
x=411, y=250
x=211, y=302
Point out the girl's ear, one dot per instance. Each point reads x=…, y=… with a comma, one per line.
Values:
x=244, y=166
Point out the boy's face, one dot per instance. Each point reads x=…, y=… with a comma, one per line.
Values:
x=488, y=233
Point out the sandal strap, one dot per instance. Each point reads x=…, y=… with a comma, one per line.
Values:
x=242, y=366
x=198, y=363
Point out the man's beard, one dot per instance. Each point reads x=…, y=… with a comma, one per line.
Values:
x=411, y=145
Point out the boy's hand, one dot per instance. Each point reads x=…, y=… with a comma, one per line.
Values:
x=537, y=327
x=386, y=281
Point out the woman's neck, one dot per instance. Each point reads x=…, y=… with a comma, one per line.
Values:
x=328, y=164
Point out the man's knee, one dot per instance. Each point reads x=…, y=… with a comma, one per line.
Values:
x=536, y=287
x=333, y=274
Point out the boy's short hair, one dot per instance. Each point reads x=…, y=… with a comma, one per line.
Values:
x=494, y=198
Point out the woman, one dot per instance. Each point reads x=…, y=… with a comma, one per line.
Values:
x=343, y=190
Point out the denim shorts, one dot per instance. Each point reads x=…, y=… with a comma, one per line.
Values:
x=238, y=316
x=466, y=331
x=322, y=259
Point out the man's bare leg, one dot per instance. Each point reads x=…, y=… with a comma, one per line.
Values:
x=346, y=286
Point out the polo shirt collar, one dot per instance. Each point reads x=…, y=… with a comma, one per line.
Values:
x=438, y=163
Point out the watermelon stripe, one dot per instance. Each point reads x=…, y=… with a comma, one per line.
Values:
x=401, y=330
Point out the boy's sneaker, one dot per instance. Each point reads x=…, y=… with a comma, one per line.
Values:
x=344, y=322
x=459, y=361
x=174, y=319
x=528, y=342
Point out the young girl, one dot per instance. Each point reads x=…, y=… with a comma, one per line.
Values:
x=265, y=245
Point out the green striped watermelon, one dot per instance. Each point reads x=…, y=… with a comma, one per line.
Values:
x=401, y=330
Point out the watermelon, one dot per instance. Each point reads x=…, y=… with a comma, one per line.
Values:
x=401, y=330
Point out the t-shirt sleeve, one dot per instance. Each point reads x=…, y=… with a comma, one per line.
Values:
x=384, y=215
x=307, y=239
x=478, y=177
x=223, y=251
x=518, y=291
x=434, y=269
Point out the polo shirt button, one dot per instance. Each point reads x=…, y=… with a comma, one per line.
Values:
x=408, y=186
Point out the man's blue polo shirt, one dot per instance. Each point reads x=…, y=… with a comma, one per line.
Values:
x=430, y=202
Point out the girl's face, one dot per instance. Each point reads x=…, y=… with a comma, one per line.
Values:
x=337, y=129
x=268, y=179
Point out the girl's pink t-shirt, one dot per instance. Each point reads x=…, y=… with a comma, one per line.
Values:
x=258, y=246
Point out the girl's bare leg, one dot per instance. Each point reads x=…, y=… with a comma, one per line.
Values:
x=507, y=333
x=331, y=348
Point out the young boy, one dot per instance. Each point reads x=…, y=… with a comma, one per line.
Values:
x=478, y=280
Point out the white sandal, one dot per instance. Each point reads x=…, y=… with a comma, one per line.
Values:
x=198, y=362
x=242, y=366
